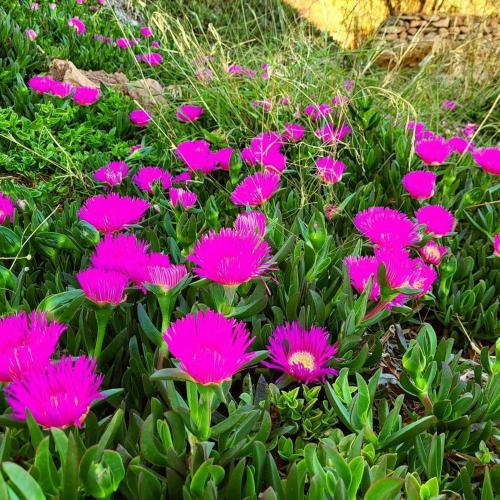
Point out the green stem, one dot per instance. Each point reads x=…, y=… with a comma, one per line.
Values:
x=206, y=397
x=102, y=316
x=230, y=292
x=378, y=308
x=165, y=303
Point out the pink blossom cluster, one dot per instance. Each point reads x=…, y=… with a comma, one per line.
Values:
x=84, y=96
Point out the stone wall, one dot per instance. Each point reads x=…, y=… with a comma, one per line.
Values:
x=408, y=39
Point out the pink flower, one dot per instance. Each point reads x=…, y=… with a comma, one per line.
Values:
x=40, y=84
x=103, y=287
x=255, y=189
x=265, y=105
x=140, y=117
x=300, y=353
x=189, y=113
x=197, y=155
x=111, y=212
x=31, y=34
x=420, y=184
x=210, y=347
x=59, y=396
x=470, y=129
x=26, y=343
x=418, y=127
x=183, y=178
x=155, y=44
x=328, y=133
x=6, y=208
x=460, y=145
x=386, y=227
x=146, y=32
x=60, y=89
x=123, y=43
x=449, y=104
x=340, y=100
x=186, y=199
x=238, y=70
x=165, y=277
x=112, y=174
x=253, y=222
x=134, y=148
x=496, y=244
x=401, y=272
x=433, y=151
x=437, y=220
x=433, y=253
x=146, y=177
x=223, y=157
x=330, y=170
x=85, y=96
x=34, y=6
x=348, y=85
x=285, y=101
x=294, y=132
x=152, y=58
x=122, y=253
x=78, y=25
x=316, y=112
x=248, y=156
x=231, y=257
x=488, y=159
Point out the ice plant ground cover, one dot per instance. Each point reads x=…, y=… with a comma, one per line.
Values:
x=281, y=283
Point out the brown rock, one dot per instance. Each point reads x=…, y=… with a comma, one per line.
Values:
x=412, y=31
x=416, y=23
x=464, y=29
x=431, y=19
x=454, y=30
x=443, y=32
x=393, y=29
x=442, y=23
x=392, y=36
x=66, y=71
x=146, y=91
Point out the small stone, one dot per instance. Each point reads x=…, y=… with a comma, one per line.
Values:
x=416, y=23
x=464, y=29
x=412, y=31
x=442, y=23
x=392, y=36
x=454, y=30
x=393, y=29
x=443, y=32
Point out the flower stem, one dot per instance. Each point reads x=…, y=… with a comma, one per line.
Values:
x=102, y=316
x=206, y=397
x=165, y=303
x=378, y=308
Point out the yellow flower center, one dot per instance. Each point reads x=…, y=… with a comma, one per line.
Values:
x=432, y=252
x=304, y=358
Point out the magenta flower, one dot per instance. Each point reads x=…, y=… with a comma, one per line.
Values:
x=122, y=253
x=231, y=257
x=433, y=253
x=488, y=159
x=103, y=287
x=140, y=118
x=470, y=129
x=152, y=58
x=294, y=132
x=460, y=145
x=417, y=127
x=40, y=84
x=183, y=178
x=265, y=105
x=165, y=277
x=147, y=177
x=401, y=272
x=223, y=157
x=78, y=25
x=316, y=112
x=300, y=353
x=123, y=43
x=348, y=85
x=210, y=347
x=340, y=100
x=111, y=212
x=189, y=113
x=496, y=244
x=6, y=208
x=134, y=148
x=328, y=133
x=60, y=89
x=30, y=34
x=420, y=184
x=26, y=343
x=330, y=170
x=186, y=199
x=112, y=174
x=266, y=142
x=59, y=396
x=449, y=104
x=34, y=6
x=253, y=222
x=85, y=96
x=386, y=227
x=197, y=155
x=433, y=151
x=255, y=189
x=248, y=156
x=146, y=31
x=437, y=220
